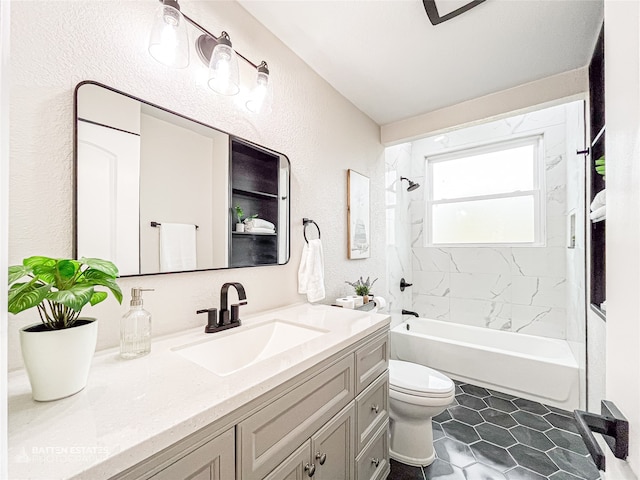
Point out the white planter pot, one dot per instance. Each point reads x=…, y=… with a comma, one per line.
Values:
x=58, y=361
x=240, y=227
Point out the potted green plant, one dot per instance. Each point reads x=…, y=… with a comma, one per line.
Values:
x=363, y=288
x=57, y=352
x=239, y=213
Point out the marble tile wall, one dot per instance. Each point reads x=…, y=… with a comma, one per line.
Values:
x=518, y=289
x=575, y=258
x=398, y=229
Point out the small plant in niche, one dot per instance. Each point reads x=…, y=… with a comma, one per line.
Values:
x=60, y=288
x=362, y=287
x=600, y=166
x=239, y=213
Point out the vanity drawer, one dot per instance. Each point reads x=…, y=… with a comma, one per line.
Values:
x=373, y=462
x=270, y=435
x=372, y=410
x=371, y=360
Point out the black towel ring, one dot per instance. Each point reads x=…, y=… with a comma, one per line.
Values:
x=306, y=222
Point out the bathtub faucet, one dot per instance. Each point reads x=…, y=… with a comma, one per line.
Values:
x=409, y=312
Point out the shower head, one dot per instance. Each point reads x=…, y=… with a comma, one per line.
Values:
x=412, y=185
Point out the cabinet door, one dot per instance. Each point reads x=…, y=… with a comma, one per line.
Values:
x=214, y=460
x=333, y=447
x=269, y=436
x=293, y=468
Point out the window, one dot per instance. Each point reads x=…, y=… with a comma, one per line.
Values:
x=487, y=195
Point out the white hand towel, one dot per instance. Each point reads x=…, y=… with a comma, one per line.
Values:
x=311, y=271
x=599, y=214
x=600, y=200
x=177, y=247
x=259, y=223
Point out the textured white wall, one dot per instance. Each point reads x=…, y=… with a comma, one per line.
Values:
x=55, y=45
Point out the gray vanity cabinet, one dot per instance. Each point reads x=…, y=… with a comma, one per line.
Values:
x=295, y=467
x=266, y=438
x=215, y=460
x=333, y=447
x=328, y=455
x=329, y=424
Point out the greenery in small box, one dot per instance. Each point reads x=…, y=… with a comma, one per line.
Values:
x=60, y=288
x=362, y=287
x=239, y=213
x=600, y=164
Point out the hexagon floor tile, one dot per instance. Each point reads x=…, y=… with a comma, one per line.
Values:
x=490, y=435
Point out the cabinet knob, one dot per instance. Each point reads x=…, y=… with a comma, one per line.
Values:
x=321, y=457
x=375, y=461
x=310, y=469
x=375, y=408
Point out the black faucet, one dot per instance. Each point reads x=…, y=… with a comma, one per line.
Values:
x=226, y=319
x=409, y=312
x=234, y=318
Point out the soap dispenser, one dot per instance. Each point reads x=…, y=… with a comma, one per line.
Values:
x=135, y=327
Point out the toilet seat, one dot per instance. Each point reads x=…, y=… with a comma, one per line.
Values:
x=417, y=380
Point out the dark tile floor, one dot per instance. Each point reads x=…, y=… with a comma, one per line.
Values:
x=489, y=435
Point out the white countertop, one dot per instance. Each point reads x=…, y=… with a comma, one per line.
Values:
x=132, y=409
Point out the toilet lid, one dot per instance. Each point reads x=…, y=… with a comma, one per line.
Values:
x=415, y=379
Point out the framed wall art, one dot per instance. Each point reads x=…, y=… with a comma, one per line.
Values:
x=359, y=225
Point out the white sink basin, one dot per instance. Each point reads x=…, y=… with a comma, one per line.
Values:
x=235, y=349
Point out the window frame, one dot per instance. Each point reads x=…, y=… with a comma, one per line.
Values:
x=538, y=192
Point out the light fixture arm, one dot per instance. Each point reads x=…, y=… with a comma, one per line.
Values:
x=199, y=43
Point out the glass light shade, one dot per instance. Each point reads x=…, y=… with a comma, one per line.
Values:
x=261, y=96
x=169, y=41
x=224, y=77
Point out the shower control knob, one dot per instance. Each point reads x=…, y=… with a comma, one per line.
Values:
x=404, y=284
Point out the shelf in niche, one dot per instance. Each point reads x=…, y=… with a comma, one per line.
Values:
x=598, y=311
x=253, y=193
x=255, y=233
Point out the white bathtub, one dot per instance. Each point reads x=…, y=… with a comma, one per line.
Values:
x=536, y=368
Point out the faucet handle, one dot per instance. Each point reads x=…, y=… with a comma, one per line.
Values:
x=212, y=319
x=235, y=313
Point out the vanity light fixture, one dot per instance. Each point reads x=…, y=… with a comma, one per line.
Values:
x=169, y=41
x=223, y=67
x=260, y=98
x=168, y=44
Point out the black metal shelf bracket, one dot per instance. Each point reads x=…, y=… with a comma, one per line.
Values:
x=611, y=424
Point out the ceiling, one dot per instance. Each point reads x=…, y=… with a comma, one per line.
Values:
x=389, y=61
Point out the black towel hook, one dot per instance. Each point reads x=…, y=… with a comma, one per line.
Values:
x=305, y=222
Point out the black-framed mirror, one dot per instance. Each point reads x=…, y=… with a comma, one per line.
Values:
x=157, y=192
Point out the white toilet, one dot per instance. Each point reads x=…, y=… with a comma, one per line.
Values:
x=416, y=394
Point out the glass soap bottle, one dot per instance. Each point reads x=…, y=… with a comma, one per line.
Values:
x=135, y=327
